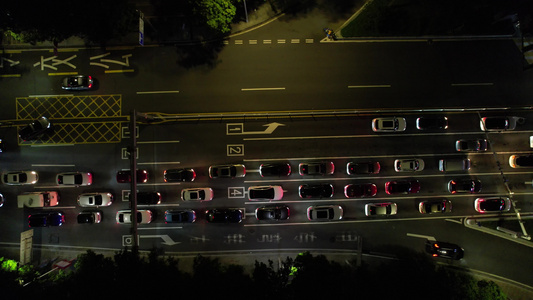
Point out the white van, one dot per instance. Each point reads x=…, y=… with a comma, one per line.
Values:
x=454, y=164
x=38, y=199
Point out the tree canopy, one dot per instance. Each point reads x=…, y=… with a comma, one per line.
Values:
x=305, y=277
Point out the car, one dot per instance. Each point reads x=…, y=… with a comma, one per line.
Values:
x=402, y=187
x=435, y=206
x=477, y=145
x=2, y=147
x=265, y=192
x=454, y=164
x=197, y=194
x=148, y=198
x=46, y=219
x=227, y=171
x=408, y=165
x=381, y=209
x=20, y=178
x=89, y=217
x=316, y=168
x=492, y=204
x=176, y=175
x=75, y=178
x=370, y=167
x=360, y=190
x=77, y=83
x=268, y=213
x=391, y=124
x=180, y=216
x=498, y=123
x=464, y=186
x=224, y=215
x=2, y=200
x=275, y=169
x=95, y=199
x=444, y=250
x=434, y=122
x=521, y=161
x=124, y=176
x=317, y=190
x=325, y=212
x=125, y=217
x=35, y=129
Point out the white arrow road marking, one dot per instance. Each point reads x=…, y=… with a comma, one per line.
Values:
x=166, y=239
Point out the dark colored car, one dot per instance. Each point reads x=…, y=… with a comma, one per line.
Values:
x=521, y=161
x=492, y=204
x=360, y=190
x=317, y=168
x=124, y=176
x=2, y=149
x=471, y=145
x=35, y=129
x=180, y=216
x=319, y=190
x=444, y=250
x=425, y=123
x=371, y=167
x=278, y=212
x=90, y=217
x=464, y=186
x=224, y=215
x=174, y=175
x=148, y=198
x=498, y=123
x=77, y=83
x=46, y=219
x=402, y=187
x=276, y=169
x=227, y=171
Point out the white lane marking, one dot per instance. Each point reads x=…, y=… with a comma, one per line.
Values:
x=473, y=84
x=51, y=165
x=157, y=142
x=430, y=238
x=263, y=89
x=369, y=86
x=157, y=92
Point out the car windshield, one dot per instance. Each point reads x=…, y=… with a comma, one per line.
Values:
x=496, y=122
x=262, y=193
x=23, y=177
x=228, y=171
x=388, y=124
x=97, y=200
x=524, y=161
x=78, y=179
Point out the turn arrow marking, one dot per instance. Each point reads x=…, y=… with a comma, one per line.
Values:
x=166, y=239
x=238, y=128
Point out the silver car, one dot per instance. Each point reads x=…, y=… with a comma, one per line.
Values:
x=409, y=165
x=95, y=199
x=325, y=213
x=197, y=194
x=391, y=124
x=380, y=209
x=20, y=177
x=143, y=216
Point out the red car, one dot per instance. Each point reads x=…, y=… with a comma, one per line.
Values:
x=124, y=176
x=402, y=187
x=360, y=190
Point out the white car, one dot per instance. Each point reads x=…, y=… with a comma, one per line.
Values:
x=143, y=216
x=265, y=192
x=74, y=178
x=380, y=209
x=408, y=165
x=391, y=124
x=197, y=194
x=324, y=213
x=20, y=177
x=95, y=199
